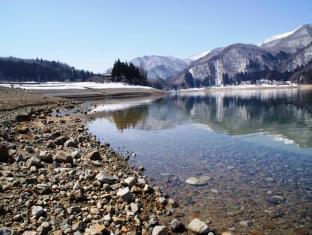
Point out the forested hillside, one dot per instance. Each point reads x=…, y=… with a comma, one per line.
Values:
x=38, y=70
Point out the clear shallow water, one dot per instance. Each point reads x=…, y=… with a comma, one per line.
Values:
x=253, y=144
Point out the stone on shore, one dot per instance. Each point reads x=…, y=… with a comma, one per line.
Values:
x=33, y=161
x=125, y=194
x=4, y=153
x=96, y=229
x=94, y=156
x=22, y=117
x=106, y=179
x=200, y=181
x=198, y=226
x=45, y=156
x=22, y=129
x=176, y=226
x=245, y=224
x=62, y=157
x=60, y=140
x=130, y=180
x=160, y=230
x=44, y=228
x=72, y=142
x=6, y=231
x=37, y=211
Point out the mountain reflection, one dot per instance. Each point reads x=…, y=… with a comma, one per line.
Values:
x=286, y=114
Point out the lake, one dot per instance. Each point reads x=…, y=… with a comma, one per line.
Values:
x=250, y=151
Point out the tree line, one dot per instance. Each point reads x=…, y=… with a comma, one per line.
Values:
x=128, y=73
x=38, y=70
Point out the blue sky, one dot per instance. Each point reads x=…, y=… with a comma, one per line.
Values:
x=92, y=34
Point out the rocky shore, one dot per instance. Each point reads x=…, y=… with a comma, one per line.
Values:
x=56, y=178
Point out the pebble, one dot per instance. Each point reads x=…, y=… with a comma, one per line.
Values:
x=60, y=140
x=198, y=226
x=94, y=156
x=62, y=157
x=37, y=211
x=72, y=142
x=130, y=180
x=4, y=153
x=106, y=179
x=200, y=181
x=6, y=231
x=160, y=230
x=125, y=194
x=176, y=226
x=134, y=207
x=245, y=224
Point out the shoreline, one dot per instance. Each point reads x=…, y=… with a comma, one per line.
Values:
x=244, y=88
x=99, y=93
x=58, y=178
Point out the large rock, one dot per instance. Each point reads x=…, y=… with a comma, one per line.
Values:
x=22, y=117
x=61, y=156
x=275, y=200
x=198, y=226
x=54, y=135
x=6, y=231
x=176, y=226
x=60, y=140
x=160, y=230
x=37, y=211
x=200, y=181
x=72, y=142
x=125, y=194
x=4, y=153
x=45, y=156
x=33, y=161
x=130, y=180
x=94, y=156
x=44, y=228
x=106, y=179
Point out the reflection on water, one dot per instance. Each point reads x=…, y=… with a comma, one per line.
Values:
x=286, y=115
x=254, y=144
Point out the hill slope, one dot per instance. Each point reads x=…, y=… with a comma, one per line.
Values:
x=15, y=69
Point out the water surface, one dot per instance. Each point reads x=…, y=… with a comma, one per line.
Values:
x=256, y=146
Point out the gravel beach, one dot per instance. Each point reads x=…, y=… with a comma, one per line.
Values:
x=56, y=178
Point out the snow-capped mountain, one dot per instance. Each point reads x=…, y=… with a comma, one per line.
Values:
x=224, y=64
x=276, y=58
x=199, y=55
x=160, y=67
x=280, y=36
x=290, y=42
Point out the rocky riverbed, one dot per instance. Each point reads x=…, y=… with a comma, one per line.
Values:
x=57, y=178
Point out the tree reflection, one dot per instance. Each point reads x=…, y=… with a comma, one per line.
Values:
x=129, y=118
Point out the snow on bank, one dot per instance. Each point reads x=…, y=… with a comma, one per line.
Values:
x=236, y=87
x=72, y=85
x=120, y=105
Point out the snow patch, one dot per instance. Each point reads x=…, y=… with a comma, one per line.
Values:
x=280, y=36
x=72, y=86
x=199, y=55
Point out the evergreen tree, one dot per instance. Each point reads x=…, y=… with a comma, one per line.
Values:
x=128, y=73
